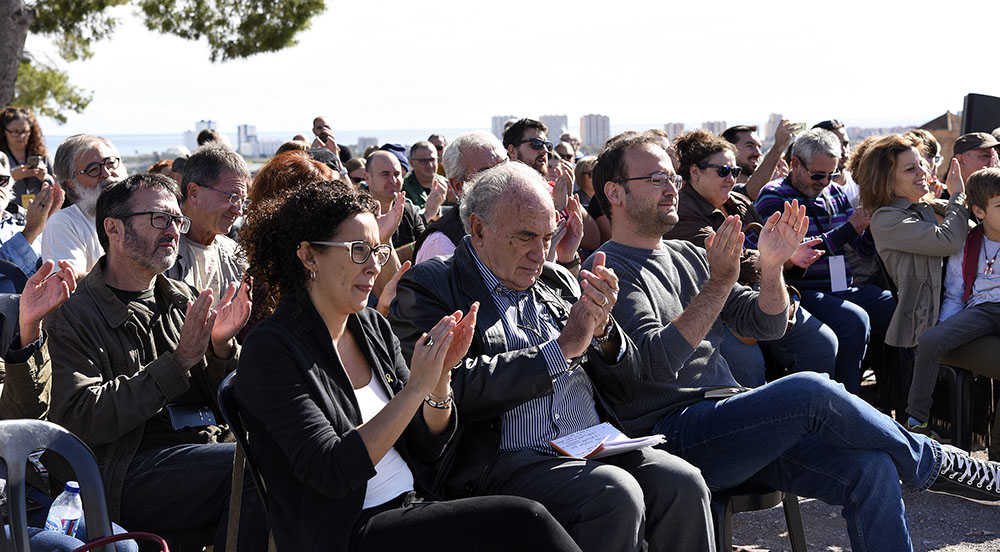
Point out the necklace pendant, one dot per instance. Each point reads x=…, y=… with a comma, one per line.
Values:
x=989, y=267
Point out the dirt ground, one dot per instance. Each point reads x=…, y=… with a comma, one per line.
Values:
x=937, y=522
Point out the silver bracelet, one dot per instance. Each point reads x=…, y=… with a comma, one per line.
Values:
x=442, y=404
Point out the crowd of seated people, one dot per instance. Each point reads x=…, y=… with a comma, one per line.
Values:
x=409, y=343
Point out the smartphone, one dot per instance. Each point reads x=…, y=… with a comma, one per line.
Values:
x=34, y=161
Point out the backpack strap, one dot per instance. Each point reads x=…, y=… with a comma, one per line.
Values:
x=970, y=261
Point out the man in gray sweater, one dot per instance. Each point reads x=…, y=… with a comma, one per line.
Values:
x=803, y=433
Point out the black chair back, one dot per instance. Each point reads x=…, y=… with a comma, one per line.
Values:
x=11, y=271
x=231, y=412
x=19, y=438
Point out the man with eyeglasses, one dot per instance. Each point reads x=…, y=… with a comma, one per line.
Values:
x=526, y=141
x=845, y=180
x=546, y=359
x=859, y=315
x=214, y=196
x=84, y=166
x=440, y=142
x=803, y=433
x=426, y=189
x=136, y=362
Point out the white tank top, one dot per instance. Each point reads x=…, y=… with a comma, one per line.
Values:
x=392, y=476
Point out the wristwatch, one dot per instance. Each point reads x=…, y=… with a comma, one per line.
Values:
x=607, y=332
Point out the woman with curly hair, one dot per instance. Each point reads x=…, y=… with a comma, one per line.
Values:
x=345, y=434
x=24, y=145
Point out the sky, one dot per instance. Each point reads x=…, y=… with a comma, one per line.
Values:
x=369, y=64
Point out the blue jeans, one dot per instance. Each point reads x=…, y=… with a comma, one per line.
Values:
x=808, y=345
x=854, y=314
x=804, y=434
x=746, y=362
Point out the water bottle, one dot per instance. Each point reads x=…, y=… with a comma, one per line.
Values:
x=66, y=511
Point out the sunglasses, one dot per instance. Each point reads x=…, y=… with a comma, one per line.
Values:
x=723, y=170
x=817, y=176
x=537, y=144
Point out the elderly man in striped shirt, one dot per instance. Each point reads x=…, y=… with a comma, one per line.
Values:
x=545, y=361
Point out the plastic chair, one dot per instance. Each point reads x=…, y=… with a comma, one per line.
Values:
x=749, y=498
x=230, y=409
x=18, y=438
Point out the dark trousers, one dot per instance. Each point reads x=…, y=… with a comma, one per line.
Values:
x=616, y=503
x=184, y=489
x=483, y=524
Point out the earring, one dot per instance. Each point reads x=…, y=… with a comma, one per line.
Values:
x=312, y=275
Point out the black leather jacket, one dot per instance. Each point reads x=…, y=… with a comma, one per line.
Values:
x=492, y=380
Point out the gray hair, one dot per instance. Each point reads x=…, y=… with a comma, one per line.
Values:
x=485, y=192
x=69, y=151
x=452, y=156
x=206, y=164
x=814, y=141
x=421, y=144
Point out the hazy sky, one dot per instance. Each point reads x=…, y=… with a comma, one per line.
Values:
x=369, y=64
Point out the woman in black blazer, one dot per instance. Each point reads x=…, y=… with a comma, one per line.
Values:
x=345, y=435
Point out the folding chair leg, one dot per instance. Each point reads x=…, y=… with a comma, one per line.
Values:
x=793, y=519
x=235, y=500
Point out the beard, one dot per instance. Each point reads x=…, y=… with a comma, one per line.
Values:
x=148, y=255
x=648, y=219
x=86, y=198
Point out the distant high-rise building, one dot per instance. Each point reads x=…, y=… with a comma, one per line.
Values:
x=364, y=142
x=247, y=142
x=594, y=130
x=191, y=136
x=674, y=130
x=772, y=126
x=715, y=127
x=557, y=124
x=498, y=122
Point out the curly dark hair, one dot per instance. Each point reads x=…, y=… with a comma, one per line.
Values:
x=695, y=147
x=312, y=211
x=36, y=141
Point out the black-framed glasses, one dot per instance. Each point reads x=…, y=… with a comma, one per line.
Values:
x=236, y=199
x=162, y=220
x=18, y=132
x=817, y=176
x=423, y=160
x=537, y=144
x=658, y=179
x=4, y=180
x=723, y=170
x=93, y=170
x=361, y=251
x=566, y=156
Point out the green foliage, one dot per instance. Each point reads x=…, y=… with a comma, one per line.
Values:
x=233, y=28
x=47, y=91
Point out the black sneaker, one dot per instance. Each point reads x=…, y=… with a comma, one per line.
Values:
x=968, y=477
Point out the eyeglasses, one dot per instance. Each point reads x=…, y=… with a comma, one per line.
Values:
x=566, y=156
x=817, y=176
x=357, y=179
x=236, y=199
x=723, y=170
x=161, y=220
x=423, y=160
x=18, y=132
x=93, y=170
x=537, y=144
x=361, y=251
x=659, y=179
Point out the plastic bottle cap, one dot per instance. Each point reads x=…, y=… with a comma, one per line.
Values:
x=72, y=487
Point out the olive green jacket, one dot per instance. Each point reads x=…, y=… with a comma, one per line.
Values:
x=914, y=247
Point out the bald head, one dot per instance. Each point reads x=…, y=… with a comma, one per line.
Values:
x=384, y=175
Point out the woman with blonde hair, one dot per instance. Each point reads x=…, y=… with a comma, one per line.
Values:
x=893, y=177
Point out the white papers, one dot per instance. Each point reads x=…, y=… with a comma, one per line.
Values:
x=601, y=440
x=838, y=273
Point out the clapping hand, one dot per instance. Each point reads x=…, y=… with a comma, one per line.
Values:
x=805, y=255
x=954, y=181
x=570, y=242
x=232, y=313
x=564, y=179
x=48, y=200
x=389, y=218
x=389, y=291
x=43, y=292
x=724, y=249
x=439, y=192
x=589, y=316
x=782, y=235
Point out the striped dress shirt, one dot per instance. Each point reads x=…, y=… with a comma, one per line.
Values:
x=532, y=424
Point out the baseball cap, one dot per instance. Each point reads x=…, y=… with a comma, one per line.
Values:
x=974, y=141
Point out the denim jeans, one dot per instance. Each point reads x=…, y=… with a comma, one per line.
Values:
x=746, y=362
x=854, y=314
x=804, y=434
x=808, y=345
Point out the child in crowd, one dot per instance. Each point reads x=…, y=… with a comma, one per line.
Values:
x=971, y=307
